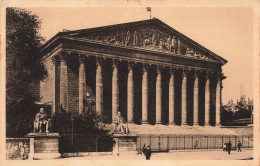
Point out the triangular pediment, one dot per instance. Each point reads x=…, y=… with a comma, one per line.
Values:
x=149, y=34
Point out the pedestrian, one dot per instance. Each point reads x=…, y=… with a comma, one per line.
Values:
x=144, y=149
x=225, y=147
x=229, y=145
x=148, y=152
x=239, y=145
x=196, y=145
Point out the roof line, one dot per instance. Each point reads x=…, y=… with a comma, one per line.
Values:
x=149, y=21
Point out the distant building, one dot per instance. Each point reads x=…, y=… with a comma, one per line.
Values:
x=230, y=106
x=248, y=105
x=243, y=103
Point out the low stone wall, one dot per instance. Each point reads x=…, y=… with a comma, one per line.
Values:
x=17, y=148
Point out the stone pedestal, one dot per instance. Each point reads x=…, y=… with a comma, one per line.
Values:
x=44, y=146
x=124, y=144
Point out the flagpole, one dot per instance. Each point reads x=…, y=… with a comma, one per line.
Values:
x=149, y=10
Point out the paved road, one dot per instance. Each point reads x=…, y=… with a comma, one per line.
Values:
x=192, y=155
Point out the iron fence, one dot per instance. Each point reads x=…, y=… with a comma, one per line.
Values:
x=191, y=142
x=85, y=143
x=158, y=143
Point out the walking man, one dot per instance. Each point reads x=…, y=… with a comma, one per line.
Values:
x=148, y=152
x=239, y=145
x=196, y=145
x=229, y=145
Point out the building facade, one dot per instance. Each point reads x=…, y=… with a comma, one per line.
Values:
x=147, y=70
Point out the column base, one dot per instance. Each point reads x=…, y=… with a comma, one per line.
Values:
x=217, y=125
x=158, y=123
x=196, y=124
x=130, y=122
x=145, y=122
x=207, y=125
x=172, y=124
x=184, y=124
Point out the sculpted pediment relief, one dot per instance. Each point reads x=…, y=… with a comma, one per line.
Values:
x=145, y=37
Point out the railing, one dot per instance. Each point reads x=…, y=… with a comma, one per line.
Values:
x=161, y=143
x=191, y=142
x=85, y=143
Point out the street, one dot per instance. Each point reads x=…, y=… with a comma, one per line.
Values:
x=180, y=155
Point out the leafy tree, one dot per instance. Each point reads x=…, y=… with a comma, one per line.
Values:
x=24, y=69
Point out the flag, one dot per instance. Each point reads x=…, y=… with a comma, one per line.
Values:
x=148, y=9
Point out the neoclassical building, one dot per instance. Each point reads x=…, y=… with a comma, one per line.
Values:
x=147, y=70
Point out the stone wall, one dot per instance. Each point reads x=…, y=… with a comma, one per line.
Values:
x=46, y=90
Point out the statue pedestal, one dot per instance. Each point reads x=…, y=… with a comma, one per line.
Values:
x=124, y=144
x=44, y=146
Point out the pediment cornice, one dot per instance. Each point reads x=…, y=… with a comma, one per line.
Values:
x=151, y=35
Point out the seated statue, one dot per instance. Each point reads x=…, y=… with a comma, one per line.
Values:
x=119, y=124
x=41, y=118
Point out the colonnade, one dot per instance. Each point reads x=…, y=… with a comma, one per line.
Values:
x=130, y=91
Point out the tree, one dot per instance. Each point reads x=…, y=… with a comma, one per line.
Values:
x=75, y=129
x=24, y=69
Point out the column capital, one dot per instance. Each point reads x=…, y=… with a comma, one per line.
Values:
x=64, y=55
x=130, y=65
x=115, y=63
x=173, y=69
x=159, y=69
x=208, y=74
x=197, y=73
x=219, y=76
x=83, y=58
x=100, y=60
x=145, y=67
x=56, y=60
x=185, y=71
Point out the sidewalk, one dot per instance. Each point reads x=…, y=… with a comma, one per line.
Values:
x=184, y=155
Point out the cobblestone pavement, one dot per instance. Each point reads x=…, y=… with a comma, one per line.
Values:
x=180, y=155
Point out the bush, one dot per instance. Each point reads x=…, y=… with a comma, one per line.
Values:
x=81, y=133
x=87, y=123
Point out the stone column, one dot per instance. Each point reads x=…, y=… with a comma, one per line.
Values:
x=159, y=95
x=207, y=100
x=196, y=99
x=184, y=98
x=130, y=93
x=56, y=84
x=99, y=86
x=218, y=102
x=64, y=81
x=82, y=82
x=171, y=97
x=179, y=47
x=115, y=90
x=145, y=94
x=31, y=154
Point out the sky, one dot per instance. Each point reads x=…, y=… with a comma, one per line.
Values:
x=227, y=32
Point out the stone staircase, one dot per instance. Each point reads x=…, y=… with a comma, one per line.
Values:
x=147, y=129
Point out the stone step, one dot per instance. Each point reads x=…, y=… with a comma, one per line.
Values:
x=173, y=129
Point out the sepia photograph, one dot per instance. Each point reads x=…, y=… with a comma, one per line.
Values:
x=143, y=82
